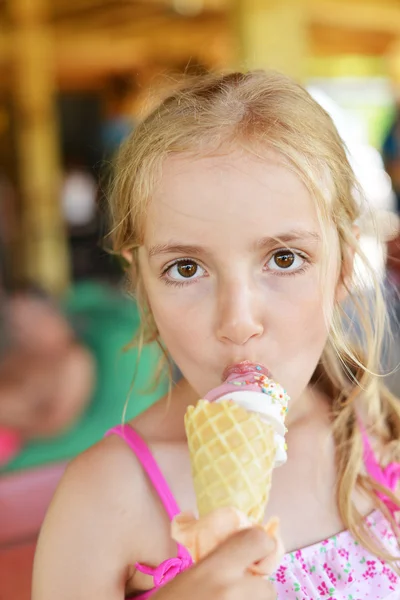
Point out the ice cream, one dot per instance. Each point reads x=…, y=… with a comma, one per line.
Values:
x=251, y=387
x=236, y=438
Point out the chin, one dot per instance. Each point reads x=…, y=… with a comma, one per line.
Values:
x=199, y=384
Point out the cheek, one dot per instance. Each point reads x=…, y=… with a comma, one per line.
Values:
x=313, y=299
x=306, y=315
x=183, y=318
x=298, y=333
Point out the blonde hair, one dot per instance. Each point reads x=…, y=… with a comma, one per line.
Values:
x=268, y=110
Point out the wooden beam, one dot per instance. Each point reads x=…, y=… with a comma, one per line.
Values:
x=136, y=45
x=45, y=249
x=129, y=36
x=271, y=34
x=107, y=16
x=327, y=40
x=96, y=55
x=91, y=8
x=5, y=45
x=336, y=27
x=352, y=15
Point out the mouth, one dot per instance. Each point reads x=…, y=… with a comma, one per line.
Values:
x=243, y=368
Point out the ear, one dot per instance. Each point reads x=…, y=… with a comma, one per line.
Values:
x=346, y=273
x=127, y=256
x=129, y=264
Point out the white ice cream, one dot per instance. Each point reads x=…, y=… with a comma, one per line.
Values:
x=268, y=410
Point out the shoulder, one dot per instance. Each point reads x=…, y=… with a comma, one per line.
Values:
x=104, y=478
x=92, y=528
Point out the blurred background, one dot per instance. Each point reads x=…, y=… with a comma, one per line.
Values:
x=75, y=78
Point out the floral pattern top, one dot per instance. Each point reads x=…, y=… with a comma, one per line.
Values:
x=341, y=569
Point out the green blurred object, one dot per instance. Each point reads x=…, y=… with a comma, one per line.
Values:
x=105, y=321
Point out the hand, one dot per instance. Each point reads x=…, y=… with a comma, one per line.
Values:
x=201, y=536
x=224, y=574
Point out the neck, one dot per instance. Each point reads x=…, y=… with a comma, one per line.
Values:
x=311, y=402
x=185, y=394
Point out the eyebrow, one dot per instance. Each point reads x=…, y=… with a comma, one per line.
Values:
x=294, y=235
x=266, y=242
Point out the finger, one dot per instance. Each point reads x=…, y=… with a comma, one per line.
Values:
x=268, y=565
x=183, y=529
x=241, y=550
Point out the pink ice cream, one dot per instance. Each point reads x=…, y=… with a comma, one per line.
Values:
x=251, y=386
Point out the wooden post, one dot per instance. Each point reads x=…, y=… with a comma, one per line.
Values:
x=45, y=253
x=271, y=34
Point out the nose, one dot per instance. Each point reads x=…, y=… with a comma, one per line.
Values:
x=238, y=319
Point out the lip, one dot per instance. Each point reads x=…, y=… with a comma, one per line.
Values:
x=244, y=367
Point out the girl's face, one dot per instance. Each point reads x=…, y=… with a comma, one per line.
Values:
x=231, y=261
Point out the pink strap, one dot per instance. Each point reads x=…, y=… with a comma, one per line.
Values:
x=387, y=477
x=371, y=463
x=146, y=459
x=167, y=570
x=171, y=567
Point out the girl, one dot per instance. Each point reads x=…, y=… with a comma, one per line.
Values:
x=234, y=204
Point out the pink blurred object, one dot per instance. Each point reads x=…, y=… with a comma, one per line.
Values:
x=16, y=567
x=10, y=445
x=24, y=499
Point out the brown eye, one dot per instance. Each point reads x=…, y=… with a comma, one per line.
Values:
x=184, y=271
x=284, y=259
x=187, y=269
x=286, y=262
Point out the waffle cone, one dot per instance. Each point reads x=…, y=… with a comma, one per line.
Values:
x=232, y=453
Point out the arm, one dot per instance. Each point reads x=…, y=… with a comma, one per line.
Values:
x=87, y=544
x=92, y=536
